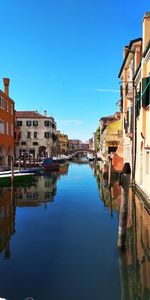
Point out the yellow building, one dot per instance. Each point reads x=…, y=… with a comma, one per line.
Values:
x=113, y=136
x=63, y=143
x=110, y=134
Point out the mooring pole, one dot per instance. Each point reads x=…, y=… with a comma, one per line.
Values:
x=12, y=170
x=109, y=170
x=123, y=213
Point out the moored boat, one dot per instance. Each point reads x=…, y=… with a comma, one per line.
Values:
x=18, y=178
x=90, y=157
x=50, y=165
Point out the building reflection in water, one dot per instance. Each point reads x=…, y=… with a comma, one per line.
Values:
x=42, y=192
x=7, y=220
x=111, y=197
x=134, y=263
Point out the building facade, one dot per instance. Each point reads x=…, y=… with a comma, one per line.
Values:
x=63, y=143
x=104, y=122
x=36, y=134
x=132, y=54
x=6, y=125
x=135, y=71
x=142, y=111
x=74, y=144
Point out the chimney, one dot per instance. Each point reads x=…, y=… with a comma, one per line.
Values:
x=6, y=86
x=146, y=29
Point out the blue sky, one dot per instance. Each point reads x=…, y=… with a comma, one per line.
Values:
x=64, y=56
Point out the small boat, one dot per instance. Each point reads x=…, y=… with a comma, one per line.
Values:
x=62, y=158
x=18, y=178
x=50, y=165
x=35, y=170
x=90, y=157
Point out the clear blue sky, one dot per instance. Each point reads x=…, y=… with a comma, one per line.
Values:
x=64, y=56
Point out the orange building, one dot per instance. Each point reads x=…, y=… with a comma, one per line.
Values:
x=6, y=125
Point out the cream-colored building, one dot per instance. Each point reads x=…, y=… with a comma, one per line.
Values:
x=131, y=55
x=37, y=134
x=135, y=77
x=142, y=82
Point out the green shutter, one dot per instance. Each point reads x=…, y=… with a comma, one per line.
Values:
x=145, y=92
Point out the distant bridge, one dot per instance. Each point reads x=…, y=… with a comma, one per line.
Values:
x=78, y=151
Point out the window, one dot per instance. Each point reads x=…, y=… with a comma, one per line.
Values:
x=19, y=123
x=35, y=143
x=28, y=123
x=35, y=134
x=53, y=125
x=54, y=137
x=6, y=103
x=12, y=109
x=145, y=92
x=147, y=162
x=7, y=128
x=2, y=126
x=46, y=135
x=23, y=143
x=12, y=130
x=1, y=102
x=35, y=123
x=46, y=123
x=28, y=134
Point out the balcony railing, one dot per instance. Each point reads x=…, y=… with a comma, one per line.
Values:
x=114, y=137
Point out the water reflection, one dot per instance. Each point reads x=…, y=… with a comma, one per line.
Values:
x=7, y=220
x=111, y=196
x=42, y=192
x=134, y=263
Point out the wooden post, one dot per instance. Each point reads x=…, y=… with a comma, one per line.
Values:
x=19, y=165
x=12, y=170
x=29, y=161
x=25, y=161
x=109, y=171
x=123, y=213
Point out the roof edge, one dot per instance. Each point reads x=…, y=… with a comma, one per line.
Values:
x=126, y=56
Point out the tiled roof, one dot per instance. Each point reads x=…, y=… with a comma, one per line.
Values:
x=29, y=115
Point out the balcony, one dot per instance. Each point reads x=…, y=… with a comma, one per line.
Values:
x=114, y=137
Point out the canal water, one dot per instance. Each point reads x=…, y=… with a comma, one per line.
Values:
x=58, y=240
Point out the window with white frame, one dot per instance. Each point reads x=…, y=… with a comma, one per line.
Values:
x=28, y=123
x=35, y=123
